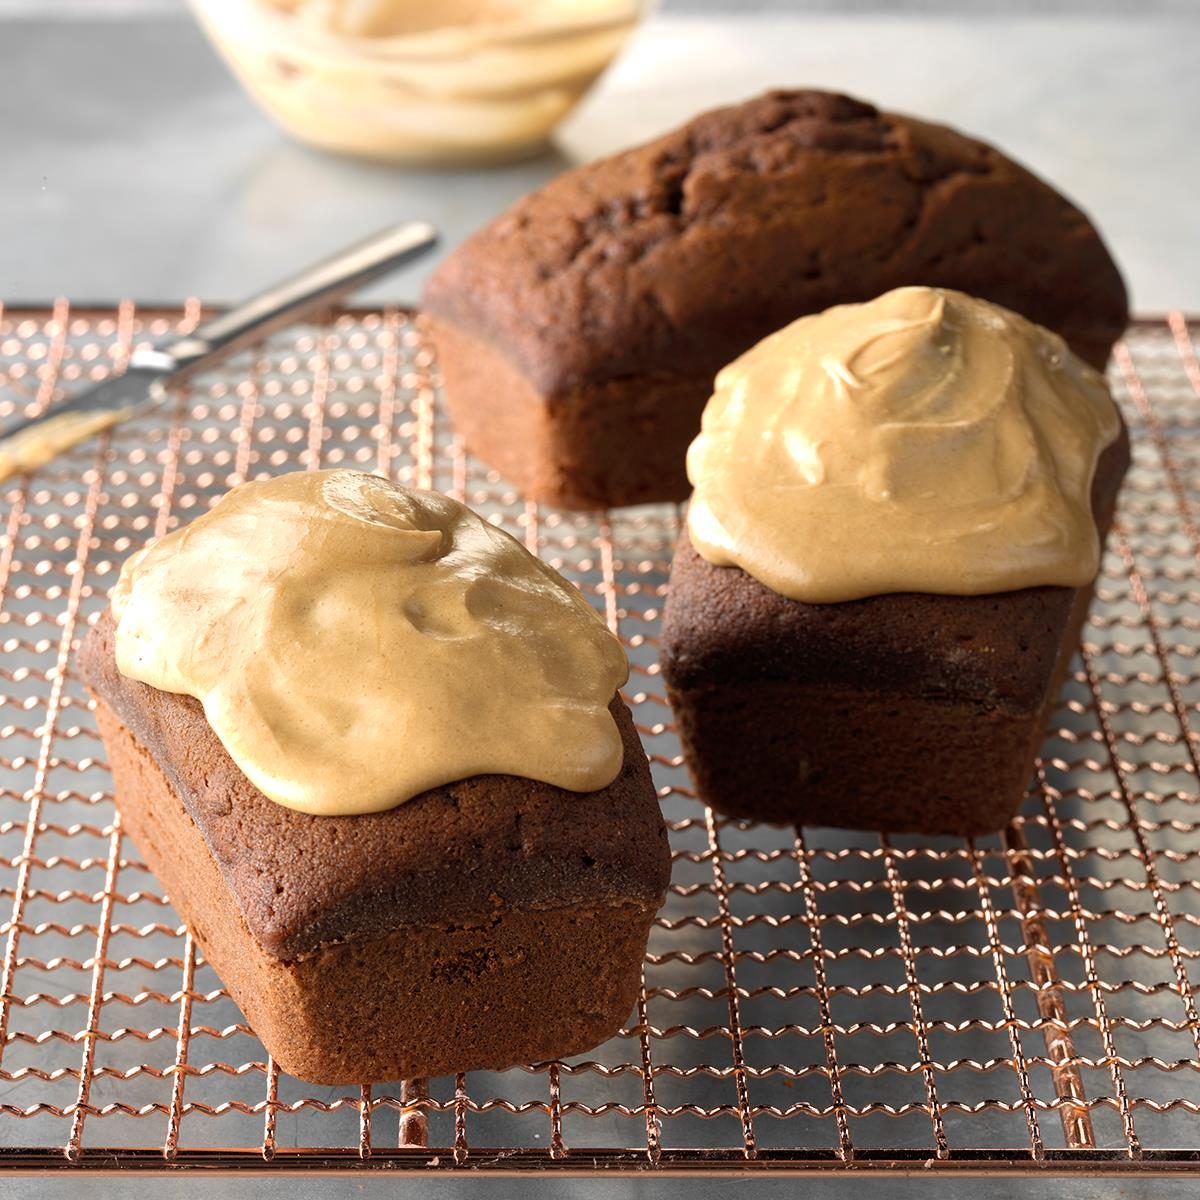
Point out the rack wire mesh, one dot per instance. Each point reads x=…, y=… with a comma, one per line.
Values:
x=812, y=999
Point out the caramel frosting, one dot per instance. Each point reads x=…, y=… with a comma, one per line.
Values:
x=355, y=643
x=923, y=442
x=41, y=443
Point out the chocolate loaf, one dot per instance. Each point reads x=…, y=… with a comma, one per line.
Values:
x=908, y=713
x=486, y=923
x=578, y=334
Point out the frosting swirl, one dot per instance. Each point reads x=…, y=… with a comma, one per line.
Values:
x=355, y=643
x=925, y=441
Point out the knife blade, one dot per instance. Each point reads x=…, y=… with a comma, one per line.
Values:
x=28, y=443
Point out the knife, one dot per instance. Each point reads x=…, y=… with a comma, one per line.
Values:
x=31, y=442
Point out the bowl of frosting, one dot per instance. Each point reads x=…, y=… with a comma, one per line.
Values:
x=408, y=81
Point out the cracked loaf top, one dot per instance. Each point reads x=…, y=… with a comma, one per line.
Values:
x=677, y=255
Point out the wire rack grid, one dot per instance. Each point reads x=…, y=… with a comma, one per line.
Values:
x=812, y=999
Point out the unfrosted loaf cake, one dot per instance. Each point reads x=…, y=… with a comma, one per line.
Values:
x=484, y=922
x=578, y=334
x=899, y=710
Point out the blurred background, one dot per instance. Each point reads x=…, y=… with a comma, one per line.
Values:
x=137, y=165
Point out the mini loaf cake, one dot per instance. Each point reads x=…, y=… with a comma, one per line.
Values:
x=374, y=751
x=888, y=559
x=579, y=333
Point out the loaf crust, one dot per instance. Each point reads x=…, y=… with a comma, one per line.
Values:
x=623, y=286
x=903, y=713
x=491, y=922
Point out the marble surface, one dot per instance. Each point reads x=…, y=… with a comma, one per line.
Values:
x=135, y=166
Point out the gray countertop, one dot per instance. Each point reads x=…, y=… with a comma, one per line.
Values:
x=184, y=1188
x=135, y=166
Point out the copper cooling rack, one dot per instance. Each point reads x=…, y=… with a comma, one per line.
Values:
x=812, y=999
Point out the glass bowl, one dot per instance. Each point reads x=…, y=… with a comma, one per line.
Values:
x=408, y=81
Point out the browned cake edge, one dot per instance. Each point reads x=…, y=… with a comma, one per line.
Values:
x=477, y=846
x=512, y=986
x=862, y=758
x=597, y=446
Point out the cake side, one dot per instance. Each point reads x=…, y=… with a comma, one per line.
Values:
x=797, y=752
x=452, y=854
x=692, y=247
x=457, y=994
x=593, y=446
